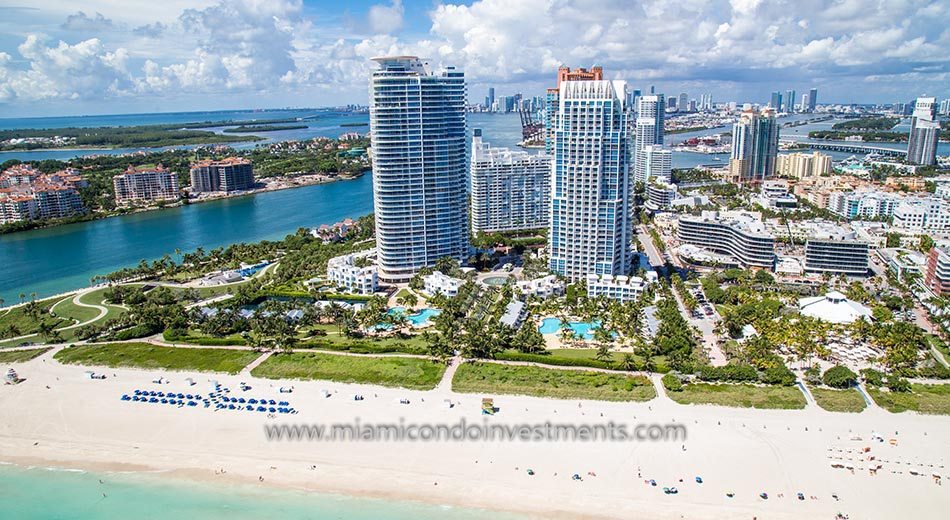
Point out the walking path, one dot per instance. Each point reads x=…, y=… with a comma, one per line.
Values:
x=263, y=357
x=76, y=301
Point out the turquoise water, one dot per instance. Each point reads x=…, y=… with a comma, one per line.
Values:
x=418, y=319
x=581, y=328
x=495, y=280
x=53, y=260
x=46, y=494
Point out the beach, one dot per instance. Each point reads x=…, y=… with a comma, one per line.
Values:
x=81, y=423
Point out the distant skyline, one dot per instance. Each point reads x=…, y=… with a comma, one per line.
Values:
x=64, y=57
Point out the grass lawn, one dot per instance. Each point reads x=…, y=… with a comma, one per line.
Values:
x=834, y=400
x=940, y=346
x=145, y=355
x=414, y=373
x=23, y=323
x=928, y=399
x=97, y=297
x=413, y=344
x=21, y=356
x=494, y=378
x=67, y=309
x=741, y=396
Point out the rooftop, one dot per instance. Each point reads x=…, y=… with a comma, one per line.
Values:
x=834, y=307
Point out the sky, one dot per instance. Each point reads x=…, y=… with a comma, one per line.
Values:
x=73, y=57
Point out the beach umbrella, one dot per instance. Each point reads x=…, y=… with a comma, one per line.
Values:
x=271, y=410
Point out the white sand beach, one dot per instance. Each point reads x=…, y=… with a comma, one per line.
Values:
x=81, y=423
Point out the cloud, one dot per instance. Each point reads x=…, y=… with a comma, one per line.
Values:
x=151, y=30
x=253, y=47
x=81, y=22
x=386, y=19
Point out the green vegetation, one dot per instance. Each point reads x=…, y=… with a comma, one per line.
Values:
x=69, y=310
x=413, y=373
x=926, y=399
x=32, y=318
x=21, y=356
x=868, y=137
x=839, y=377
x=247, y=129
x=672, y=383
x=147, y=356
x=493, y=378
x=868, y=123
x=118, y=137
x=581, y=357
x=834, y=400
x=741, y=396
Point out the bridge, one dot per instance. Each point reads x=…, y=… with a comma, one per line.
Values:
x=852, y=148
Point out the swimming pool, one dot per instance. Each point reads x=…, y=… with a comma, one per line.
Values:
x=581, y=328
x=495, y=280
x=419, y=319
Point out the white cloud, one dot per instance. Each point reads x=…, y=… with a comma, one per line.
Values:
x=386, y=19
x=261, y=46
x=81, y=22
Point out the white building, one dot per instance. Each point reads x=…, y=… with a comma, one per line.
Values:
x=660, y=195
x=802, y=165
x=656, y=162
x=651, y=112
x=417, y=122
x=924, y=133
x=928, y=214
x=863, y=203
x=544, y=287
x=510, y=190
x=740, y=235
x=833, y=307
x=438, y=283
x=347, y=273
x=591, y=231
x=622, y=288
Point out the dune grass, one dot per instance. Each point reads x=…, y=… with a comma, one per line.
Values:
x=926, y=399
x=741, y=396
x=833, y=400
x=148, y=356
x=413, y=373
x=21, y=356
x=495, y=378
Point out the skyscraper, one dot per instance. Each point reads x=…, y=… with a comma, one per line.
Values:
x=683, y=104
x=776, y=101
x=754, y=146
x=657, y=162
x=790, y=101
x=924, y=133
x=417, y=121
x=551, y=99
x=510, y=189
x=650, y=119
x=491, y=97
x=591, y=231
x=945, y=107
x=803, y=107
x=812, y=99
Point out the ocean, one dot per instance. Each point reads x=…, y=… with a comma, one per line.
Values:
x=43, y=493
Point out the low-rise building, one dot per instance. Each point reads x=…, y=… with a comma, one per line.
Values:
x=741, y=235
x=515, y=313
x=834, y=250
x=660, y=195
x=544, y=287
x=903, y=262
x=863, y=203
x=354, y=273
x=621, y=288
x=937, y=277
x=145, y=185
x=438, y=283
x=929, y=214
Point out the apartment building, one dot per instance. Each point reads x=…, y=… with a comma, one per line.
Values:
x=353, y=273
x=510, y=190
x=225, y=175
x=740, y=235
x=28, y=194
x=834, y=250
x=145, y=185
x=622, y=288
x=928, y=214
x=937, y=275
x=802, y=165
x=439, y=283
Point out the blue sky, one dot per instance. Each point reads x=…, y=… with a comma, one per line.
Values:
x=109, y=56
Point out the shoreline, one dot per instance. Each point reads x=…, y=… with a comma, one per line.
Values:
x=81, y=423
x=265, y=189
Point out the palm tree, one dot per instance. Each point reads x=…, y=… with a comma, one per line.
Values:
x=627, y=362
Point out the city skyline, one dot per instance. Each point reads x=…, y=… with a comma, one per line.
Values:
x=92, y=57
